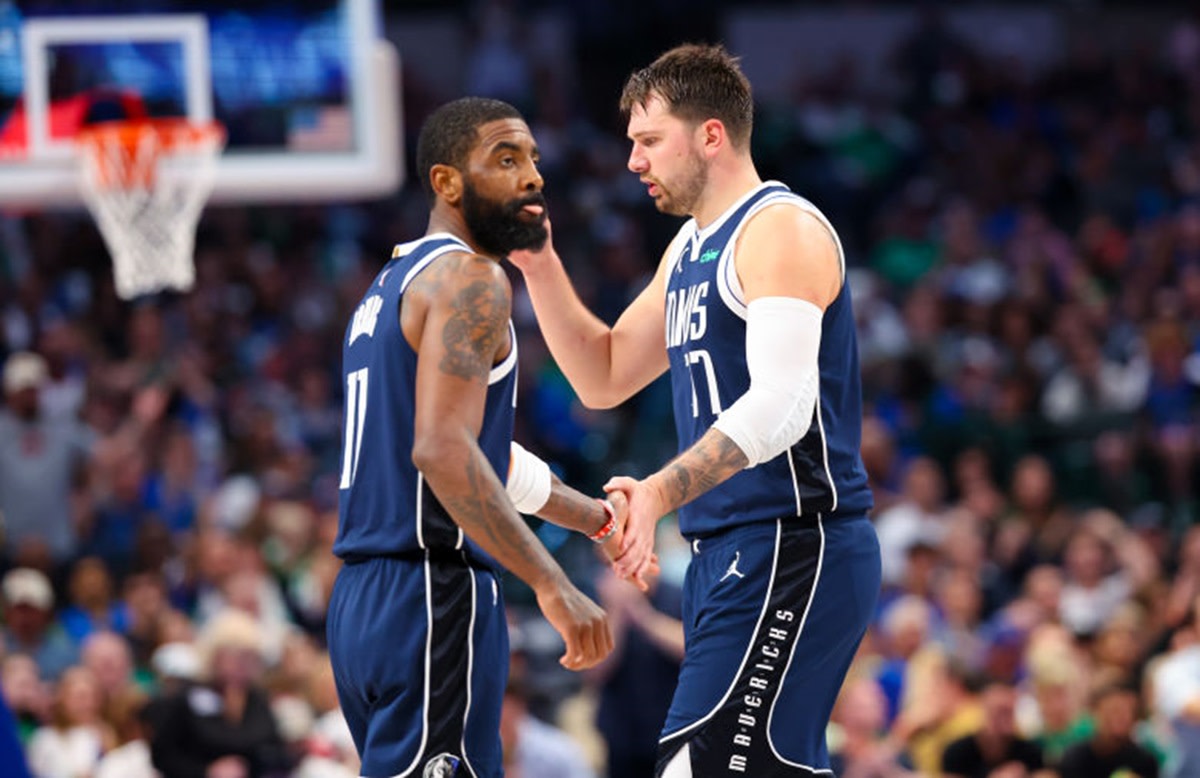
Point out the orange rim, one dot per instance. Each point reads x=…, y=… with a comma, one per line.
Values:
x=122, y=157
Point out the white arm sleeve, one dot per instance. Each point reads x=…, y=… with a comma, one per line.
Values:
x=783, y=342
x=529, y=482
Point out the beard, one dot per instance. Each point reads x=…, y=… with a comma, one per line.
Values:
x=680, y=198
x=499, y=228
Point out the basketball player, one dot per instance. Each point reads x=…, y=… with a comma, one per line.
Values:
x=416, y=627
x=769, y=486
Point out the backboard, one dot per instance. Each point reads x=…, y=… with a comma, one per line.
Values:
x=308, y=91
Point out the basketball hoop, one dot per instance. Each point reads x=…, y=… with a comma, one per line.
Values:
x=146, y=182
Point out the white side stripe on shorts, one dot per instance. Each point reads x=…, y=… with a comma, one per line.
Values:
x=680, y=765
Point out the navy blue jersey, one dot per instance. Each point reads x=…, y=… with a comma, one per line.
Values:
x=706, y=342
x=385, y=507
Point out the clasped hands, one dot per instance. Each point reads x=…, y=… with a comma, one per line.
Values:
x=638, y=506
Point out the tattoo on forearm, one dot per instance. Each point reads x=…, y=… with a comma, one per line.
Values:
x=481, y=510
x=710, y=462
x=573, y=510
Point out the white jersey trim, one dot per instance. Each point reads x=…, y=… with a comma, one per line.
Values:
x=407, y=248
x=825, y=449
x=762, y=614
x=470, y=669
x=791, y=460
x=420, y=508
x=506, y=365
x=783, y=679
x=400, y=249
x=728, y=284
x=428, y=661
x=717, y=223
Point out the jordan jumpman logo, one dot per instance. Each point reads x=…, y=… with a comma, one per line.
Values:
x=733, y=568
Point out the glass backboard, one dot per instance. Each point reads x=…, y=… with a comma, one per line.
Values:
x=308, y=91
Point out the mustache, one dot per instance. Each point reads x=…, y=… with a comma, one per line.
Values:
x=534, y=199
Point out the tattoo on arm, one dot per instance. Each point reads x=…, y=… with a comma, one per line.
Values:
x=485, y=514
x=477, y=326
x=476, y=303
x=572, y=509
x=711, y=461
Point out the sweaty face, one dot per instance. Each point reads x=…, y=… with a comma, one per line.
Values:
x=502, y=201
x=666, y=158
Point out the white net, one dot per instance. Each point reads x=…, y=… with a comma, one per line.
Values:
x=145, y=184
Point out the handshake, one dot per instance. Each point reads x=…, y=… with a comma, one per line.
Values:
x=624, y=531
x=627, y=538
x=631, y=511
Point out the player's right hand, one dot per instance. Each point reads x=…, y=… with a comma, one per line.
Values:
x=581, y=623
x=637, y=561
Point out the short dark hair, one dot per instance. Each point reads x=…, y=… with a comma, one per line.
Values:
x=451, y=131
x=697, y=82
x=1113, y=687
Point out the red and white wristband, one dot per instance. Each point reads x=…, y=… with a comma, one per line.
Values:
x=609, y=527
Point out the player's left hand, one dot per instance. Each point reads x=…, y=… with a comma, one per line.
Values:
x=636, y=560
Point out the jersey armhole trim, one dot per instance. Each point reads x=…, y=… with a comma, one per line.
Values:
x=728, y=284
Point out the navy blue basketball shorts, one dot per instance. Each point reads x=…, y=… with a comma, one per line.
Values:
x=773, y=614
x=420, y=656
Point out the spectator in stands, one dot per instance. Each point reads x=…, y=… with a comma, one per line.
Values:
x=130, y=756
x=1093, y=590
x=77, y=735
x=1091, y=384
x=176, y=665
x=1119, y=649
x=533, y=748
x=92, y=606
x=1175, y=692
x=996, y=748
x=120, y=513
x=108, y=657
x=144, y=606
x=636, y=681
x=222, y=726
x=941, y=704
x=170, y=486
x=27, y=695
x=960, y=603
x=1112, y=748
x=42, y=459
x=1062, y=717
x=917, y=515
x=330, y=751
x=860, y=748
x=905, y=626
x=30, y=626
x=1037, y=513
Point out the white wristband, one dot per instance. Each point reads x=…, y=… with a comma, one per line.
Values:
x=529, y=482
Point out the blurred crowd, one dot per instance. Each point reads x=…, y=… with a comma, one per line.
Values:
x=1024, y=253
